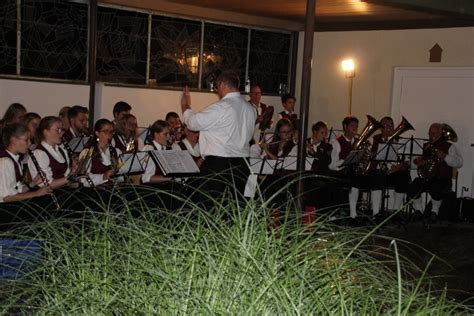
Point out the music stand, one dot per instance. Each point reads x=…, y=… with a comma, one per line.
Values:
x=132, y=163
x=143, y=133
x=77, y=144
x=387, y=152
x=175, y=163
x=258, y=167
x=289, y=163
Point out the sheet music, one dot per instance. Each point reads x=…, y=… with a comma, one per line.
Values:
x=77, y=144
x=289, y=163
x=176, y=161
x=387, y=152
x=256, y=166
x=406, y=146
x=133, y=163
x=143, y=133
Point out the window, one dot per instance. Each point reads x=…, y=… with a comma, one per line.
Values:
x=122, y=46
x=174, y=57
x=225, y=48
x=8, y=37
x=54, y=39
x=269, y=60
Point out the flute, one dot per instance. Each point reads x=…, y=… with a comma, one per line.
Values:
x=44, y=179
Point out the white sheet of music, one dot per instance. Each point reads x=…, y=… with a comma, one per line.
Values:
x=406, y=146
x=176, y=161
x=387, y=152
x=268, y=166
x=289, y=163
x=133, y=162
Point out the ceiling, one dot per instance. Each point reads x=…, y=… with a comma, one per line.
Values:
x=331, y=15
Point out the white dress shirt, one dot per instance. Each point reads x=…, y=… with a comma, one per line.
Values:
x=98, y=178
x=151, y=165
x=8, y=184
x=226, y=127
x=43, y=161
x=454, y=158
x=194, y=151
x=336, y=150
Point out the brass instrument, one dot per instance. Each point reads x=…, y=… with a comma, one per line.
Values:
x=114, y=163
x=44, y=179
x=429, y=169
x=130, y=144
x=81, y=170
x=400, y=129
x=363, y=145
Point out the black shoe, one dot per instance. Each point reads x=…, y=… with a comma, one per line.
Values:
x=433, y=217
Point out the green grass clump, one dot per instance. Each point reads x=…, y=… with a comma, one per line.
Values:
x=227, y=260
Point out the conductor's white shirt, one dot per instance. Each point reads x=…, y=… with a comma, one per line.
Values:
x=226, y=127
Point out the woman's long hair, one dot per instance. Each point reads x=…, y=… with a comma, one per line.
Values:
x=276, y=139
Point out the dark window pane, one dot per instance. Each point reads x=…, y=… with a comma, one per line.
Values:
x=8, y=37
x=175, y=51
x=269, y=59
x=54, y=39
x=225, y=48
x=122, y=46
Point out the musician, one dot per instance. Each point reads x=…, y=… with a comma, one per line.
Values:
x=282, y=144
x=226, y=128
x=318, y=148
x=176, y=127
x=51, y=157
x=191, y=144
x=126, y=135
x=398, y=174
x=17, y=140
x=14, y=114
x=78, y=117
x=121, y=108
x=288, y=102
x=31, y=121
x=63, y=117
x=255, y=95
x=104, y=158
x=448, y=158
x=160, y=135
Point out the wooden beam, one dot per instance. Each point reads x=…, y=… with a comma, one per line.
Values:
x=92, y=59
x=458, y=8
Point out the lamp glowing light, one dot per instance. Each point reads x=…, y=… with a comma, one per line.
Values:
x=349, y=69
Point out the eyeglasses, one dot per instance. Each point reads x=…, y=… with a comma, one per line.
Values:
x=107, y=131
x=59, y=130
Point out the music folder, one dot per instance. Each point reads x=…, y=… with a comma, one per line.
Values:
x=175, y=162
x=77, y=144
x=132, y=163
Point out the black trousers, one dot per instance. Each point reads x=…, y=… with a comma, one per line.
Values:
x=437, y=188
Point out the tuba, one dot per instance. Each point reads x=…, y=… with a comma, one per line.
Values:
x=363, y=145
x=430, y=168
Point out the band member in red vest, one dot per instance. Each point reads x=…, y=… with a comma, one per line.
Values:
x=288, y=102
x=17, y=140
x=445, y=157
x=126, y=134
x=51, y=157
x=282, y=144
x=319, y=148
x=176, y=127
x=78, y=117
x=120, y=108
x=105, y=158
x=191, y=144
x=14, y=114
x=159, y=138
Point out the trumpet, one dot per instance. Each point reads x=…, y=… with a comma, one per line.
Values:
x=44, y=179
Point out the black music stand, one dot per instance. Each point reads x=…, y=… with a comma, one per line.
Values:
x=289, y=163
x=258, y=167
x=77, y=144
x=132, y=163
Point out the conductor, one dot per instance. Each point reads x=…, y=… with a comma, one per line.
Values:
x=226, y=128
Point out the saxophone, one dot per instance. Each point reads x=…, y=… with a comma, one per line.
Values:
x=364, y=146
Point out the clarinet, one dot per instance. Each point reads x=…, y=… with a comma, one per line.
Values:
x=43, y=179
x=70, y=153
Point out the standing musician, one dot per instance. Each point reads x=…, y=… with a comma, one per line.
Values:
x=126, y=137
x=255, y=95
x=226, y=128
x=191, y=144
x=445, y=157
x=288, y=102
x=120, y=108
x=51, y=157
x=104, y=158
x=319, y=149
x=17, y=140
x=160, y=134
x=78, y=117
x=176, y=127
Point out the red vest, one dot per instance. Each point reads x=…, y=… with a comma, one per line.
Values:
x=444, y=171
x=97, y=167
x=323, y=155
x=290, y=117
x=5, y=154
x=346, y=147
x=58, y=169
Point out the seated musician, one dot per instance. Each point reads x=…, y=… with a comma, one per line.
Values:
x=398, y=174
x=288, y=102
x=160, y=135
x=32, y=121
x=78, y=117
x=191, y=144
x=443, y=156
x=63, y=116
x=14, y=114
x=51, y=157
x=318, y=148
x=104, y=157
x=126, y=134
x=120, y=108
x=17, y=140
x=282, y=144
x=176, y=127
